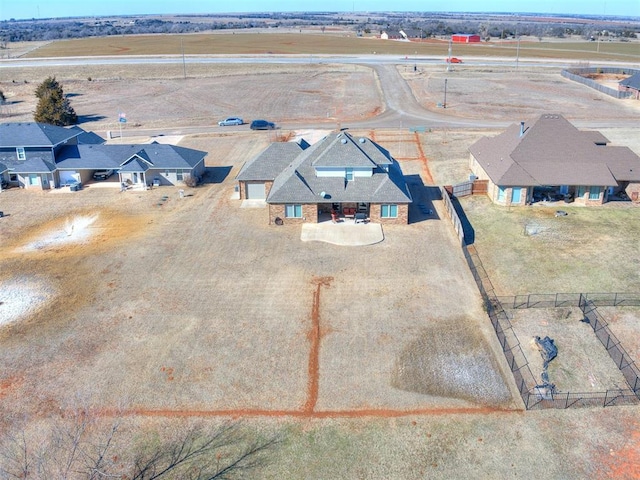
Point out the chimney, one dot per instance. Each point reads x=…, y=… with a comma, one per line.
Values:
x=521, y=128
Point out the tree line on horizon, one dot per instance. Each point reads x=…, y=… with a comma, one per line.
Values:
x=420, y=25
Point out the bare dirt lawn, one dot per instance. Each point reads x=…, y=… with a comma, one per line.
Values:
x=512, y=95
x=158, y=96
x=582, y=364
x=195, y=307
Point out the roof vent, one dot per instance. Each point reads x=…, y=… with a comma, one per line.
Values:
x=362, y=140
x=343, y=141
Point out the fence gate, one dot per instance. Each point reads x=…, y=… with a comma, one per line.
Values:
x=462, y=189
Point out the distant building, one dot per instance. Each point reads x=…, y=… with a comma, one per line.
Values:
x=465, y=38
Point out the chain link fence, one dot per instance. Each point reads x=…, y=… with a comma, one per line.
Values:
x=533, y=396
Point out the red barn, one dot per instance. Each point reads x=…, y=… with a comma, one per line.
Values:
x=465, y=38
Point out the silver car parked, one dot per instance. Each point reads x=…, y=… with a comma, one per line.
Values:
x=230, y=121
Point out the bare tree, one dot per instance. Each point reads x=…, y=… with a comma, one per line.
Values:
x=79, y=447
x=16, y=459
x=197, y=455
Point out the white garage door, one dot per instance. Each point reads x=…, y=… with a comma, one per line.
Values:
x=69, y=176
x=255, y=191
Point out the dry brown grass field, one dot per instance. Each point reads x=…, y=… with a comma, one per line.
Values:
x=327, y=43
x=194, y=309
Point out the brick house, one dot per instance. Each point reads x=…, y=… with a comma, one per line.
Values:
x=341, y=174
x=550, y=159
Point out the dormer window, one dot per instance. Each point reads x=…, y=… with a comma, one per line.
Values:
x=20, y=153
x=348, y=173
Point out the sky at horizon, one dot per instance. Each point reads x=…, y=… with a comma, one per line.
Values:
x=26, y=9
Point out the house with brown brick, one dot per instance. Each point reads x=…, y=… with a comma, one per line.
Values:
x=340, y=174
x=550, y=159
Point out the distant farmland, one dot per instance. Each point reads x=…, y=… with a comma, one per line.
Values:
x=310, y=44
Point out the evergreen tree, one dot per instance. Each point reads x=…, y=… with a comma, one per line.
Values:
x=53, y=106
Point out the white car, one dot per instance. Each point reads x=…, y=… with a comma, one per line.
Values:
x=230, y=121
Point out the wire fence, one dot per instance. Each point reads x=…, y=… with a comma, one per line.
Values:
x=557, y=300
x=537, y=396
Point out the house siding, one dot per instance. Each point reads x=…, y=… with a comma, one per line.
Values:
x=45, y=181
x=309, y=214
x=584, y=199
x=401, y=219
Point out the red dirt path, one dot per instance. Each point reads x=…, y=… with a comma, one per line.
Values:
x=314, y=350
x=308, y=410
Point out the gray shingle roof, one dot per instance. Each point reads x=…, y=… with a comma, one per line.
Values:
x=342, y=150
x=90, y=138
x=298, y=182
x=3, y=168
x=268, y=164
x=35, y=134
x=632, y=82
x=135, y=164
x=99, y=157
x=39, y=160
x=551, y=151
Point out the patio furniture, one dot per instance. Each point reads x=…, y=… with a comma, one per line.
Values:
x=349, y=212
x=360, y=218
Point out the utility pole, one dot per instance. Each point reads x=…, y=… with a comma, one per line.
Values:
x=449, y=59
x=444, y=103
x=517, y=49
x=184, y=65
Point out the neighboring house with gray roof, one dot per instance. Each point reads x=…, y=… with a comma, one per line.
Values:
x=29, y=150
x=135, y=164
x=340, y=173
x=631, y=84
x=42, y=156
x=550, y=158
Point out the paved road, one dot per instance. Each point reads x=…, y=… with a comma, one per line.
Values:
x=401, y=108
